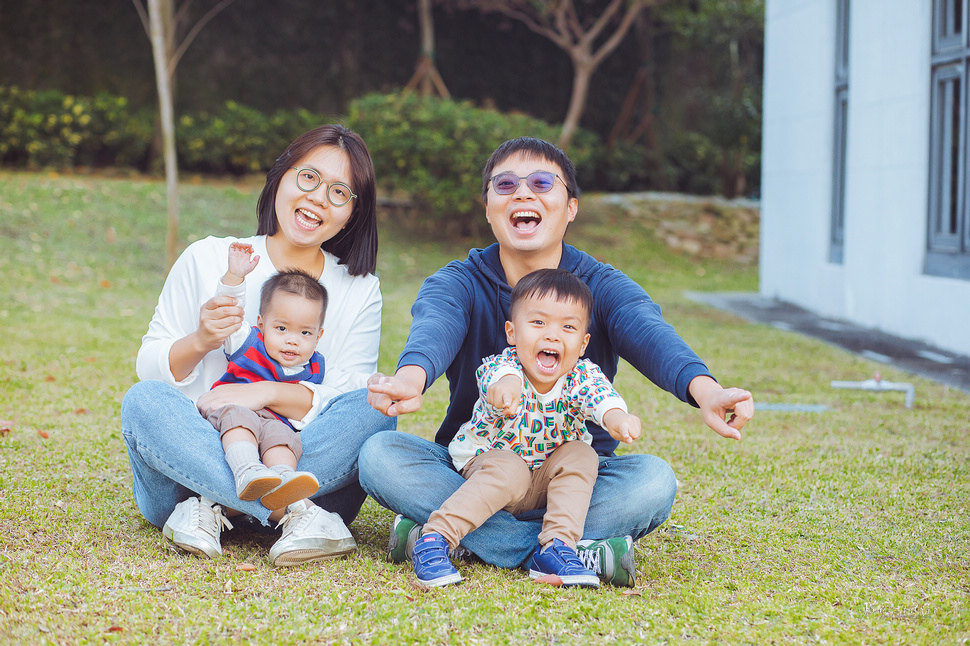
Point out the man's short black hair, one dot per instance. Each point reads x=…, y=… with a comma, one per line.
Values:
x=532, y=147
x=562, y=284
x=294, y=281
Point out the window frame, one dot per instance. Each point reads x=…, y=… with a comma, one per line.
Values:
x=948, y=217
x=841, y=129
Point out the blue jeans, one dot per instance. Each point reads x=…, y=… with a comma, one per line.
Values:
x=176, y=454
x=412, y=476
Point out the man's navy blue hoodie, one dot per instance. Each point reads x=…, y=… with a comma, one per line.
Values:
x=459, y=317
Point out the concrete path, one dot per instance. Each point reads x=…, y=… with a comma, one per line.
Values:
x=906, y=354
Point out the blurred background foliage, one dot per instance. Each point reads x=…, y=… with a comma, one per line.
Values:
x=677, y=107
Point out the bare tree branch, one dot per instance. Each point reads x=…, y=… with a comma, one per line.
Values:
x=560, y=22
x=620, y=33
x=143, y=15
x=177, y=56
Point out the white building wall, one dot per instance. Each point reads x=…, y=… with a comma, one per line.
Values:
x=881, y=283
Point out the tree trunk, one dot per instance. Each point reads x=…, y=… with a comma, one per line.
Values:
x=426, y=77
x=160, y=18
x=582, y=75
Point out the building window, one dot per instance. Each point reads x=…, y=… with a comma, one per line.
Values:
x=841, y=128
x=948, y=230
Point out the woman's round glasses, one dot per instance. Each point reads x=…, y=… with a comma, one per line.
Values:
x=307, y=180
x=540, y=181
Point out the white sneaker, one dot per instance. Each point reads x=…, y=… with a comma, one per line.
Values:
x=310, y=534
x=195, y=526
x=256, y=481
x=294, y=486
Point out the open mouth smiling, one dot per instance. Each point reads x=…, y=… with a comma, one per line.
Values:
x=307, y=219
x=547, y=361
x=525, y=221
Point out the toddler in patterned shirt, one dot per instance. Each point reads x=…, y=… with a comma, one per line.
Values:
x=527, y=446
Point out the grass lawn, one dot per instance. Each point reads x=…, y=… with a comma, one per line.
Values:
x=849, y=526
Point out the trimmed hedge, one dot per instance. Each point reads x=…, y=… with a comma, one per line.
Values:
x=53, y=129
x=433, y=150
x=425, y=149
x=238, y=139
x=50, y=129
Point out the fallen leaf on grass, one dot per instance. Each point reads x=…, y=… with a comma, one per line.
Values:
x=6, y=426
x=549, y=579
x=90, y=359
x=228, y=587
x=105, y=283
x=44, y=434
x=59, y=504
x=631, y=593
x=50, y=378
x=116, y=629
x=245, y=567
x=81, y=411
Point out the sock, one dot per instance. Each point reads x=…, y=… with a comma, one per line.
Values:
x=242, y=455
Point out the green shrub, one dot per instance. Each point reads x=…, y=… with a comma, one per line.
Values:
x=238, y=139
x=627, y=166
x=51, y=129
x=433, y=150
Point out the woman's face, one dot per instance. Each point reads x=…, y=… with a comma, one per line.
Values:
x=309, y=218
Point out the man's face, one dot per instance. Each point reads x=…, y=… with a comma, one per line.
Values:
x=526, y=222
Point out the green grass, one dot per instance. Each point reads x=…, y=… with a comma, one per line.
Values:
x=849, y=526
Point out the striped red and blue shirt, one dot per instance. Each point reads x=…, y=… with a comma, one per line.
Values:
x=250, y=364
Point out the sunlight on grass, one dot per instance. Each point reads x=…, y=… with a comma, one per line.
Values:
x=849, y=526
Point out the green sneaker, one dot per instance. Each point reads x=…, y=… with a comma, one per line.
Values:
x=400, y=544
x=611, y=559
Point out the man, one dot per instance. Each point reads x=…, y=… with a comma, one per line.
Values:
x=530, y=195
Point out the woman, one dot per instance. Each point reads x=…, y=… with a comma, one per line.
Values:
x=317, y=212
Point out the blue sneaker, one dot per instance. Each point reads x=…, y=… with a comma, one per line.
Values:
x=431, y=564
x=559, y=559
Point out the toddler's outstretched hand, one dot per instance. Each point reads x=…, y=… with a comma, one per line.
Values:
x=505, y=394
x=241, y=262
x=622, y=426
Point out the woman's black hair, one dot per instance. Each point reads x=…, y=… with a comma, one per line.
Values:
x=356, y=244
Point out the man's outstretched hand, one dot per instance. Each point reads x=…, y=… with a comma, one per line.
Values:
x=397, y=394
x=717, y=403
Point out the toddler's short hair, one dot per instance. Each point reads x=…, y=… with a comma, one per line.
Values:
x=562, y=284
x=294, y=281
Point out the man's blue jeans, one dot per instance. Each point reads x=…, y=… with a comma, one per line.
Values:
x=412, y=476
x=175, y=453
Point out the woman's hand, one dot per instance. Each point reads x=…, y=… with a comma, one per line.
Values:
x=218, y=319
x=292, y=400
x=254, y=396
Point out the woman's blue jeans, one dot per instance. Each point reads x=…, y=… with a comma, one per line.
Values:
x=175, y=453
x=412, y=476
